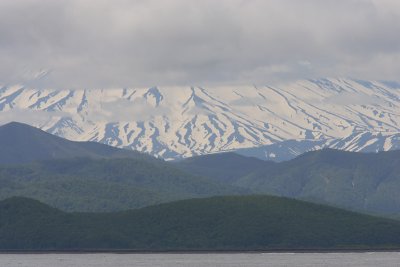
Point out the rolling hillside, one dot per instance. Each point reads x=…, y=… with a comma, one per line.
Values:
x=220, y=223
x=84, y=184
x=89, y=176
x=366, y=182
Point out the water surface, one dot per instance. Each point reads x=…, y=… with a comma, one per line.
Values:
x=368, y=259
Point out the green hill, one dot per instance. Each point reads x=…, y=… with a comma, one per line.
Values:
x=87, y=176
x=366, y=182
x=218, y=223
x=84, y=184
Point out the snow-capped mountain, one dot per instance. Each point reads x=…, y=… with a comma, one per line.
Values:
x=275, y=122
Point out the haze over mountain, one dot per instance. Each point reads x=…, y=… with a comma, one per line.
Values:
x=343, y=114
x=219, y=223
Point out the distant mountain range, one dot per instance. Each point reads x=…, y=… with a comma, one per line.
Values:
x=270, y=122
x=219, y=223
x=82, y=176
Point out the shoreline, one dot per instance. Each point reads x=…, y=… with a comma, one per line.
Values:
x=133, y=251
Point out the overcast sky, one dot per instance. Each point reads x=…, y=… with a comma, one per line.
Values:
x=121, y=43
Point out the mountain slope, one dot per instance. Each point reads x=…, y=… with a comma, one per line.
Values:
x=367, y=182
x=88, y=176
x=344, y=114
x=84, y=184
x=226, y=223
x=21, y=143
x=223, y=167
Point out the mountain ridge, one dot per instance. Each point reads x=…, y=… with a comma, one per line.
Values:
x=171, y=123
x=22, y=143
x=73, y=176
x=89, y=176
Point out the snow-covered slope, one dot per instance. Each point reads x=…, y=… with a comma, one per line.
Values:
x=181, y=122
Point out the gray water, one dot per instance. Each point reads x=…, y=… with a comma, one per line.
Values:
x=372, y=259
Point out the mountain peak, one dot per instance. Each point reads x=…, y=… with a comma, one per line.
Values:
x=15, y=124
x=17, y=132
x=21, y=143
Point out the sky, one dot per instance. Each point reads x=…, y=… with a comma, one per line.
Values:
x=70, y=44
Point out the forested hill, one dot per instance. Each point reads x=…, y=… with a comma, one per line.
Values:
x=218, y=223
x=87, y=184
x=365, y=182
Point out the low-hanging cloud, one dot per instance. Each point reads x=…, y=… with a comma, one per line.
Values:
x=188, y=42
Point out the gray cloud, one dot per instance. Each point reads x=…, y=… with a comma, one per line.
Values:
x=187, y=42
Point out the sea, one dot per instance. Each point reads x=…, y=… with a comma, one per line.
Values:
x=367, y=259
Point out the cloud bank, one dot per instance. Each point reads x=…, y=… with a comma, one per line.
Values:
x=91, y=44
